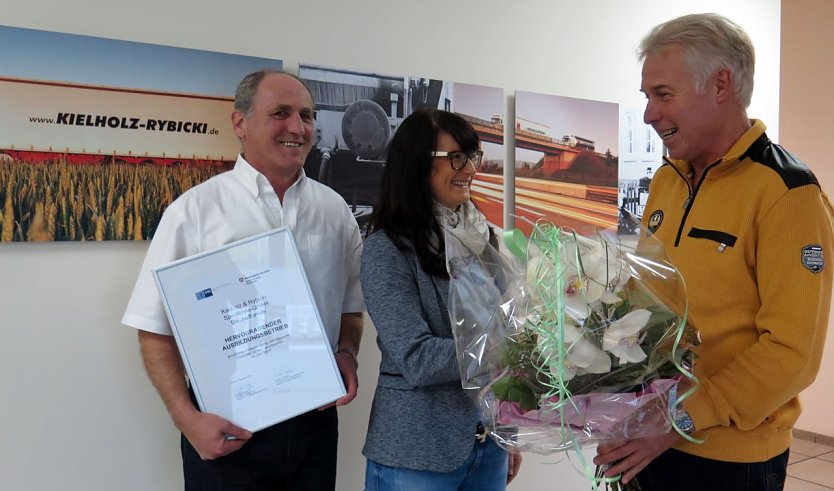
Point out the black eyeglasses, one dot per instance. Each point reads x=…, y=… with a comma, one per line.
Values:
x=459, y=159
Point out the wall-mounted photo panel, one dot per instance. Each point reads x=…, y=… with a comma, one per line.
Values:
x=565, y=162
x=358, y=113
x=98, y=136
x=641, y=153
x=482, y=106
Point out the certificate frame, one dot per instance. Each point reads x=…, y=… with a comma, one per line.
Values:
x=249, y=332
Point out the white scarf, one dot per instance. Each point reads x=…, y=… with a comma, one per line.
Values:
x=466, y=223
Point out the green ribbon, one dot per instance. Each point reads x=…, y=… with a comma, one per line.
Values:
x=687, y=374
x=516, y=242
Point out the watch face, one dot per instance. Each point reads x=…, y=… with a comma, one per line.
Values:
x=684, y=422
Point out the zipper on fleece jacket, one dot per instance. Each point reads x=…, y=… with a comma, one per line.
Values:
x=687, y=205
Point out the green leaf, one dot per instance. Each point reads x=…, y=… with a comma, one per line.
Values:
x=514, y=389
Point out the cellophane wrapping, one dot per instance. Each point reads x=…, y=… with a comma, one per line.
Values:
x=572, y=340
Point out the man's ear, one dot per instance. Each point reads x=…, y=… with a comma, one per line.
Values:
x=239, y=123
x=723, y=85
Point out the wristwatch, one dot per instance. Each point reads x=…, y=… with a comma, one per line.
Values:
x=684, y=422
x=343, y=349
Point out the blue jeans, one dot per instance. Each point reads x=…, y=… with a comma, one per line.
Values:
x=681, y=471
x=484, y=470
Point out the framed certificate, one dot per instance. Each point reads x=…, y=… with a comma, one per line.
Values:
x=249, y=332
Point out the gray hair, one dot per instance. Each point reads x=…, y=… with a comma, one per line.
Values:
x=709, y=43
x=248, y=87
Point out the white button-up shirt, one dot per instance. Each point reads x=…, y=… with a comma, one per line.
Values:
x=241, y=203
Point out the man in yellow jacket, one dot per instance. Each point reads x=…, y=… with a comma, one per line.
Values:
x=750, y=230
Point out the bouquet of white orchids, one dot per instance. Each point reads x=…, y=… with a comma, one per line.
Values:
x=572, y=340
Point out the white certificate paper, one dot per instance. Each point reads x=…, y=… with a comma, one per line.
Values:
x=249, y=332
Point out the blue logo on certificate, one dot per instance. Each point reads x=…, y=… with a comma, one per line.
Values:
x=204, y=294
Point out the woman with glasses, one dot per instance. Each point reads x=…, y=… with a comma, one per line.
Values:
x=424, y=432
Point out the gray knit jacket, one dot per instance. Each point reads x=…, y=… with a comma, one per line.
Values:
x=420, y=419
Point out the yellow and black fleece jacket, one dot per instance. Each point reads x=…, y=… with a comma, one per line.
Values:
x=753, y=241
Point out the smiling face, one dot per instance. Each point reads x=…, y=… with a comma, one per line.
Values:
x=449, y=186
x=277, y=134
x=688, y=122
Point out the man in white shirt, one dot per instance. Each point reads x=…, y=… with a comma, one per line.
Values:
x=273, y=118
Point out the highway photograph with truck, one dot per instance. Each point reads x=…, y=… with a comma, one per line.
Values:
x=566, y=162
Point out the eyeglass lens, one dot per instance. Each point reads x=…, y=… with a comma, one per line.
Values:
x=459, y=159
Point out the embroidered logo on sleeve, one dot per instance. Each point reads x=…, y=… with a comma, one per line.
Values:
x=812, y=258
x=655, y=219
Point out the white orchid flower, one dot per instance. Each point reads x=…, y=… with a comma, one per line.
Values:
x=581, y=356
x=538, y=268
x=602, y=272
x=604, y=268
x=610, y=298
x=576, y=298
x=622, y=338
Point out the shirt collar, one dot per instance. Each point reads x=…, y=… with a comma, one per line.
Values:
x=734, y=154
x=255, y=182
x=743, y=144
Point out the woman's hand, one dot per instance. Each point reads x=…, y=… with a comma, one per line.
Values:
x=513, y=466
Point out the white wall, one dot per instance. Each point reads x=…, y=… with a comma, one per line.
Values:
x=78, y=412
x=806, y=102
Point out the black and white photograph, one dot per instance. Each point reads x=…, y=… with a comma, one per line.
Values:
x=641, y=153
x=358, y=113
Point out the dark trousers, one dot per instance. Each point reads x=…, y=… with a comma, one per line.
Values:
x=679, y=471
x=296, y=455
